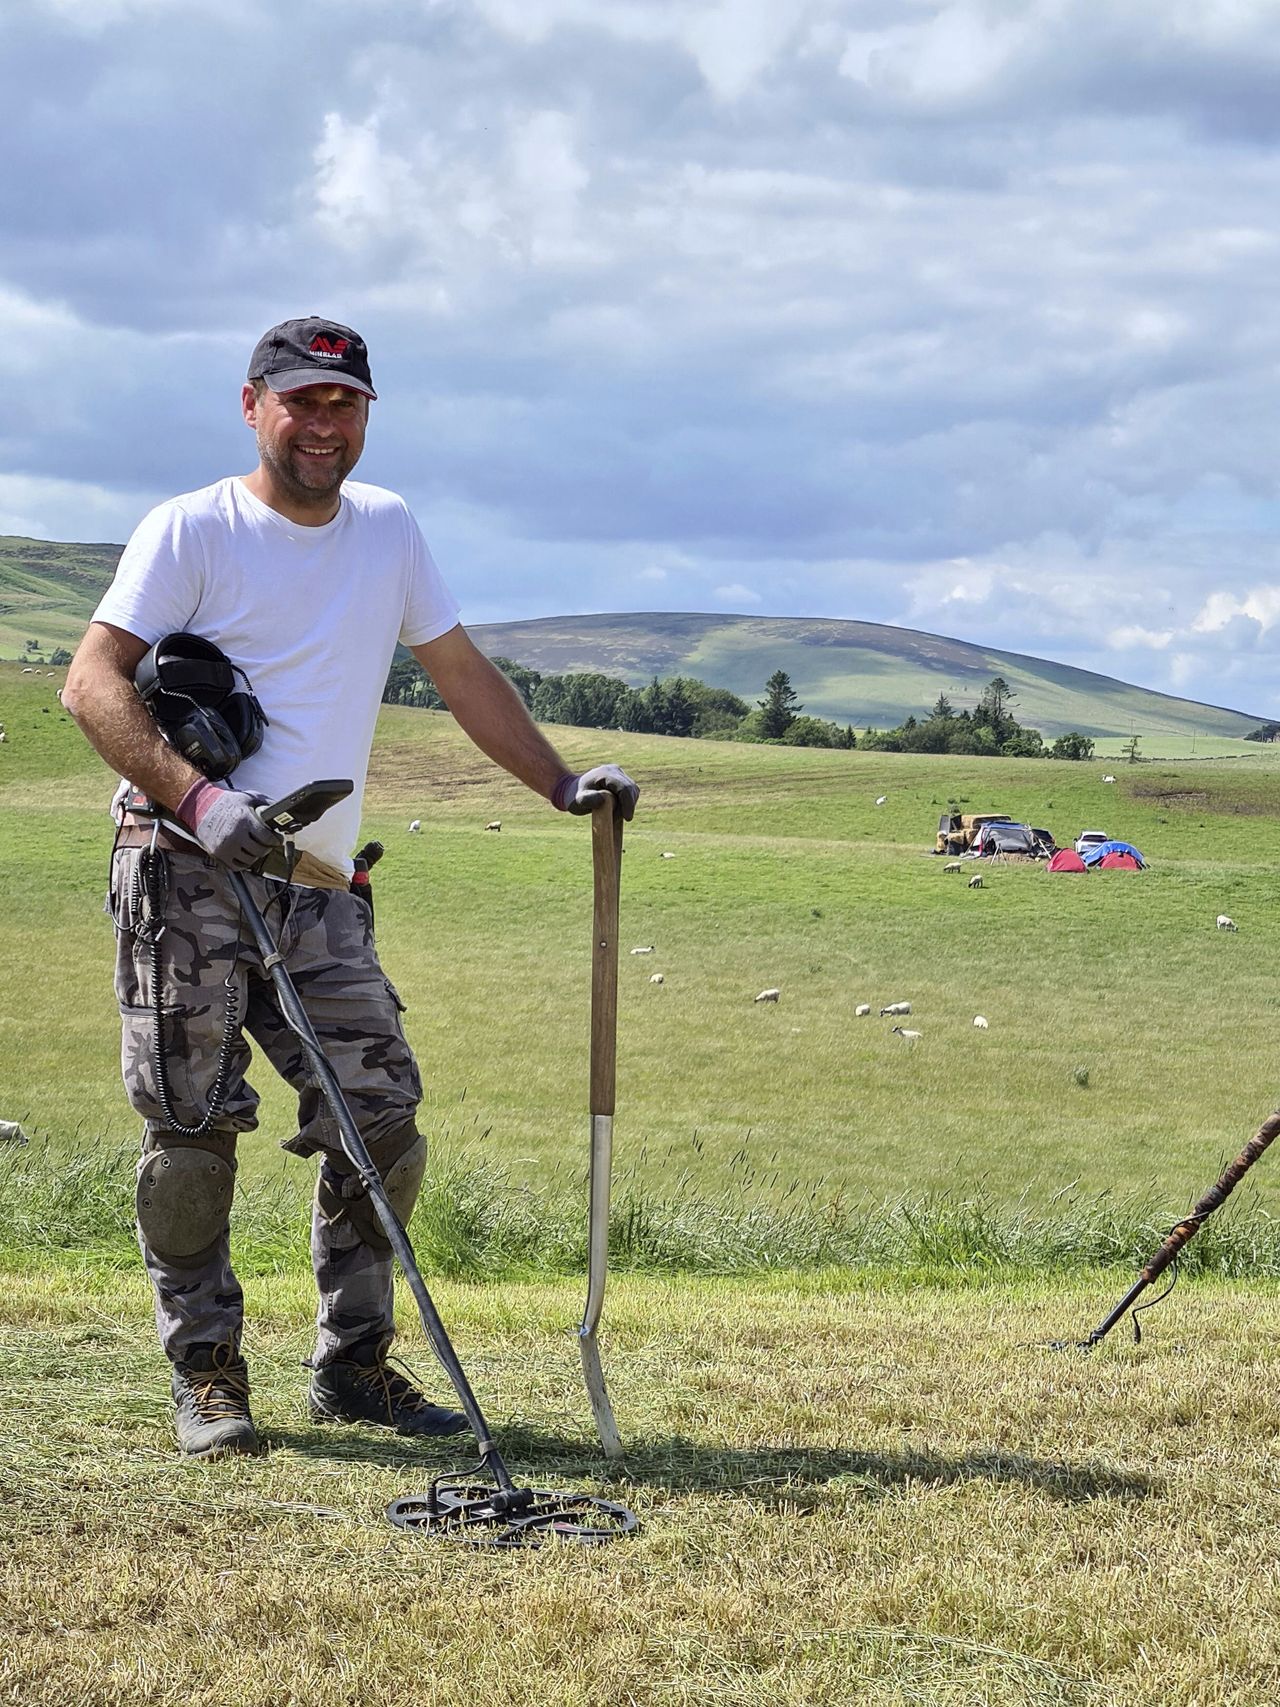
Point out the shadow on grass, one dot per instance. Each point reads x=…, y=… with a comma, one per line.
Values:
x=791, y=1476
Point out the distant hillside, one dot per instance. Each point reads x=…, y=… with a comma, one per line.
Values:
x=854, y=672
x=48, y=591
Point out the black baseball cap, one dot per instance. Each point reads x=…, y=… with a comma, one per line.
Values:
x=311, y=352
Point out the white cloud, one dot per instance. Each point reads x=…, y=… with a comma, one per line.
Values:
x=737, y=594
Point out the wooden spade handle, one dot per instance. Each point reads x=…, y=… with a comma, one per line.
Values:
x=606, y=849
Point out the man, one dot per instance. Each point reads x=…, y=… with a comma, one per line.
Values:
x=306, y=581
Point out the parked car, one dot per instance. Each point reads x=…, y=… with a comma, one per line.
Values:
x=1090, y=839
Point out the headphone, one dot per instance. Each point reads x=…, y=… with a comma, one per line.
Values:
x=190, y=688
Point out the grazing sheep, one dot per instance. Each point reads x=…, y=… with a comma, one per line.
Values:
x=1225, y=924
x=953, y=866
x=657, y=978
x=910, y=1036
x=12, y=1133
x=1108, y=779
x=768, y=995
x=415, y=826
x=882, y=799
x=3, y=736
x=896, y=1008
x=648, y=950
x=666, y=856
x=975, y=882
x=862, y=1009
x=980, y=1022
x=496, y=825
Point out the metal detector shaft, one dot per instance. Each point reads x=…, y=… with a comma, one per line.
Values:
x=606, y=849
x=1187, y=1229
x=296, y=1018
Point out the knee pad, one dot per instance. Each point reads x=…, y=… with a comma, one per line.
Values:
x=185, y=1186
x=401, y=1160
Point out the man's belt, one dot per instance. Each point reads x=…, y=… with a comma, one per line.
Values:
x=310, y=872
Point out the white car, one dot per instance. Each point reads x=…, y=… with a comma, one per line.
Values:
x=1090, y=839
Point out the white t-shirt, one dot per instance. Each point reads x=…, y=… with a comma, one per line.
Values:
x=310, y=614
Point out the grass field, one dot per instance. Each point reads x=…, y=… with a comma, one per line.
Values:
x=861, y=1475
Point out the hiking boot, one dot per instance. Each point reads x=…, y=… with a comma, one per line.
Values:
x=211, y=1391
x=363, y=1388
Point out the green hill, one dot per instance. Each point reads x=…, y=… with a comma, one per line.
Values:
x=48, y=591
x=863, y=673
x=854, y=672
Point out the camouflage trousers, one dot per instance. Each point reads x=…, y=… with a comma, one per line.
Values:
x=206, y=956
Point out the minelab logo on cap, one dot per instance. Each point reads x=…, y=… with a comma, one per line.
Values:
x=333, y=348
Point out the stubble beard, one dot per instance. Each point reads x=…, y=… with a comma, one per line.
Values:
x=317, y=492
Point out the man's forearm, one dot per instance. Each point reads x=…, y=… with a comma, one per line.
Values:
x=494, y=716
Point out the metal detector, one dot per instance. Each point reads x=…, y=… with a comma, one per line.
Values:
x=455, y=1505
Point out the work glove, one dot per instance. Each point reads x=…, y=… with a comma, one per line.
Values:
x=582, y=794
x=227, y=825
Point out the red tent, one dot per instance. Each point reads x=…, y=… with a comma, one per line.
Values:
x=1066, y=859
x=1118, y=862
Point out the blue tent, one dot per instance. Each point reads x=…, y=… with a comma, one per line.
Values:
x=1094, y=856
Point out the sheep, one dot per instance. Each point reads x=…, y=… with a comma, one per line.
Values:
x=910, y=1036
x=496, y=825
x=896, y=1008
x=1226, y=924
x=657, y=978
x=3, y=737
x=768, y=995
x=953, y=866
x=415, y=826
x=28, y=669
x=863, y=1009
x=12, y=1133
x=981, y=1023
x=881, y=799
x=975, y=882
x=666, y=856
x=648, y=950
x=1108, y=779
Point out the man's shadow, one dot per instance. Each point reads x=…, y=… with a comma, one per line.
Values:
x=768, y=1475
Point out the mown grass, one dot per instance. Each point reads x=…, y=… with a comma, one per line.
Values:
x=872, y=1493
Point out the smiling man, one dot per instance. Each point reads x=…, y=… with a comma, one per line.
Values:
x=306, y=581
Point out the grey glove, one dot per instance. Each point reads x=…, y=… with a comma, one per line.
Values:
x=582, y=794
x=227, y=826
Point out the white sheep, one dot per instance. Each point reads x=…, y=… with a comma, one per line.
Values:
x=975, y=882
x=666, y=856
x=863, y=1009
x=881, y=799
x=415, y=826
x=1225, y=924
x=896, y=1008
x=1108, y=779
x=954, y=865
x=12, y=1133
x=657, y=978
x=768, y=995
x=496, y=825
x=648, y=950
x=981, y=1023
x=910, y=1036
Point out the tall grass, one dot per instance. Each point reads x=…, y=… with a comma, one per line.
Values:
x=474, y=1222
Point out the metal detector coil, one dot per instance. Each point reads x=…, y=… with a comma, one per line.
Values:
x=524, y=1517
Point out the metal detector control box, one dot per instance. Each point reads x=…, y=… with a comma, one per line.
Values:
x=295, y=811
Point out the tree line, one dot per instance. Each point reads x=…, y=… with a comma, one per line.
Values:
x=990, y=730
x=683, y=705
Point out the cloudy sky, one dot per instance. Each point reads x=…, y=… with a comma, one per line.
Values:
x=957, y=314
